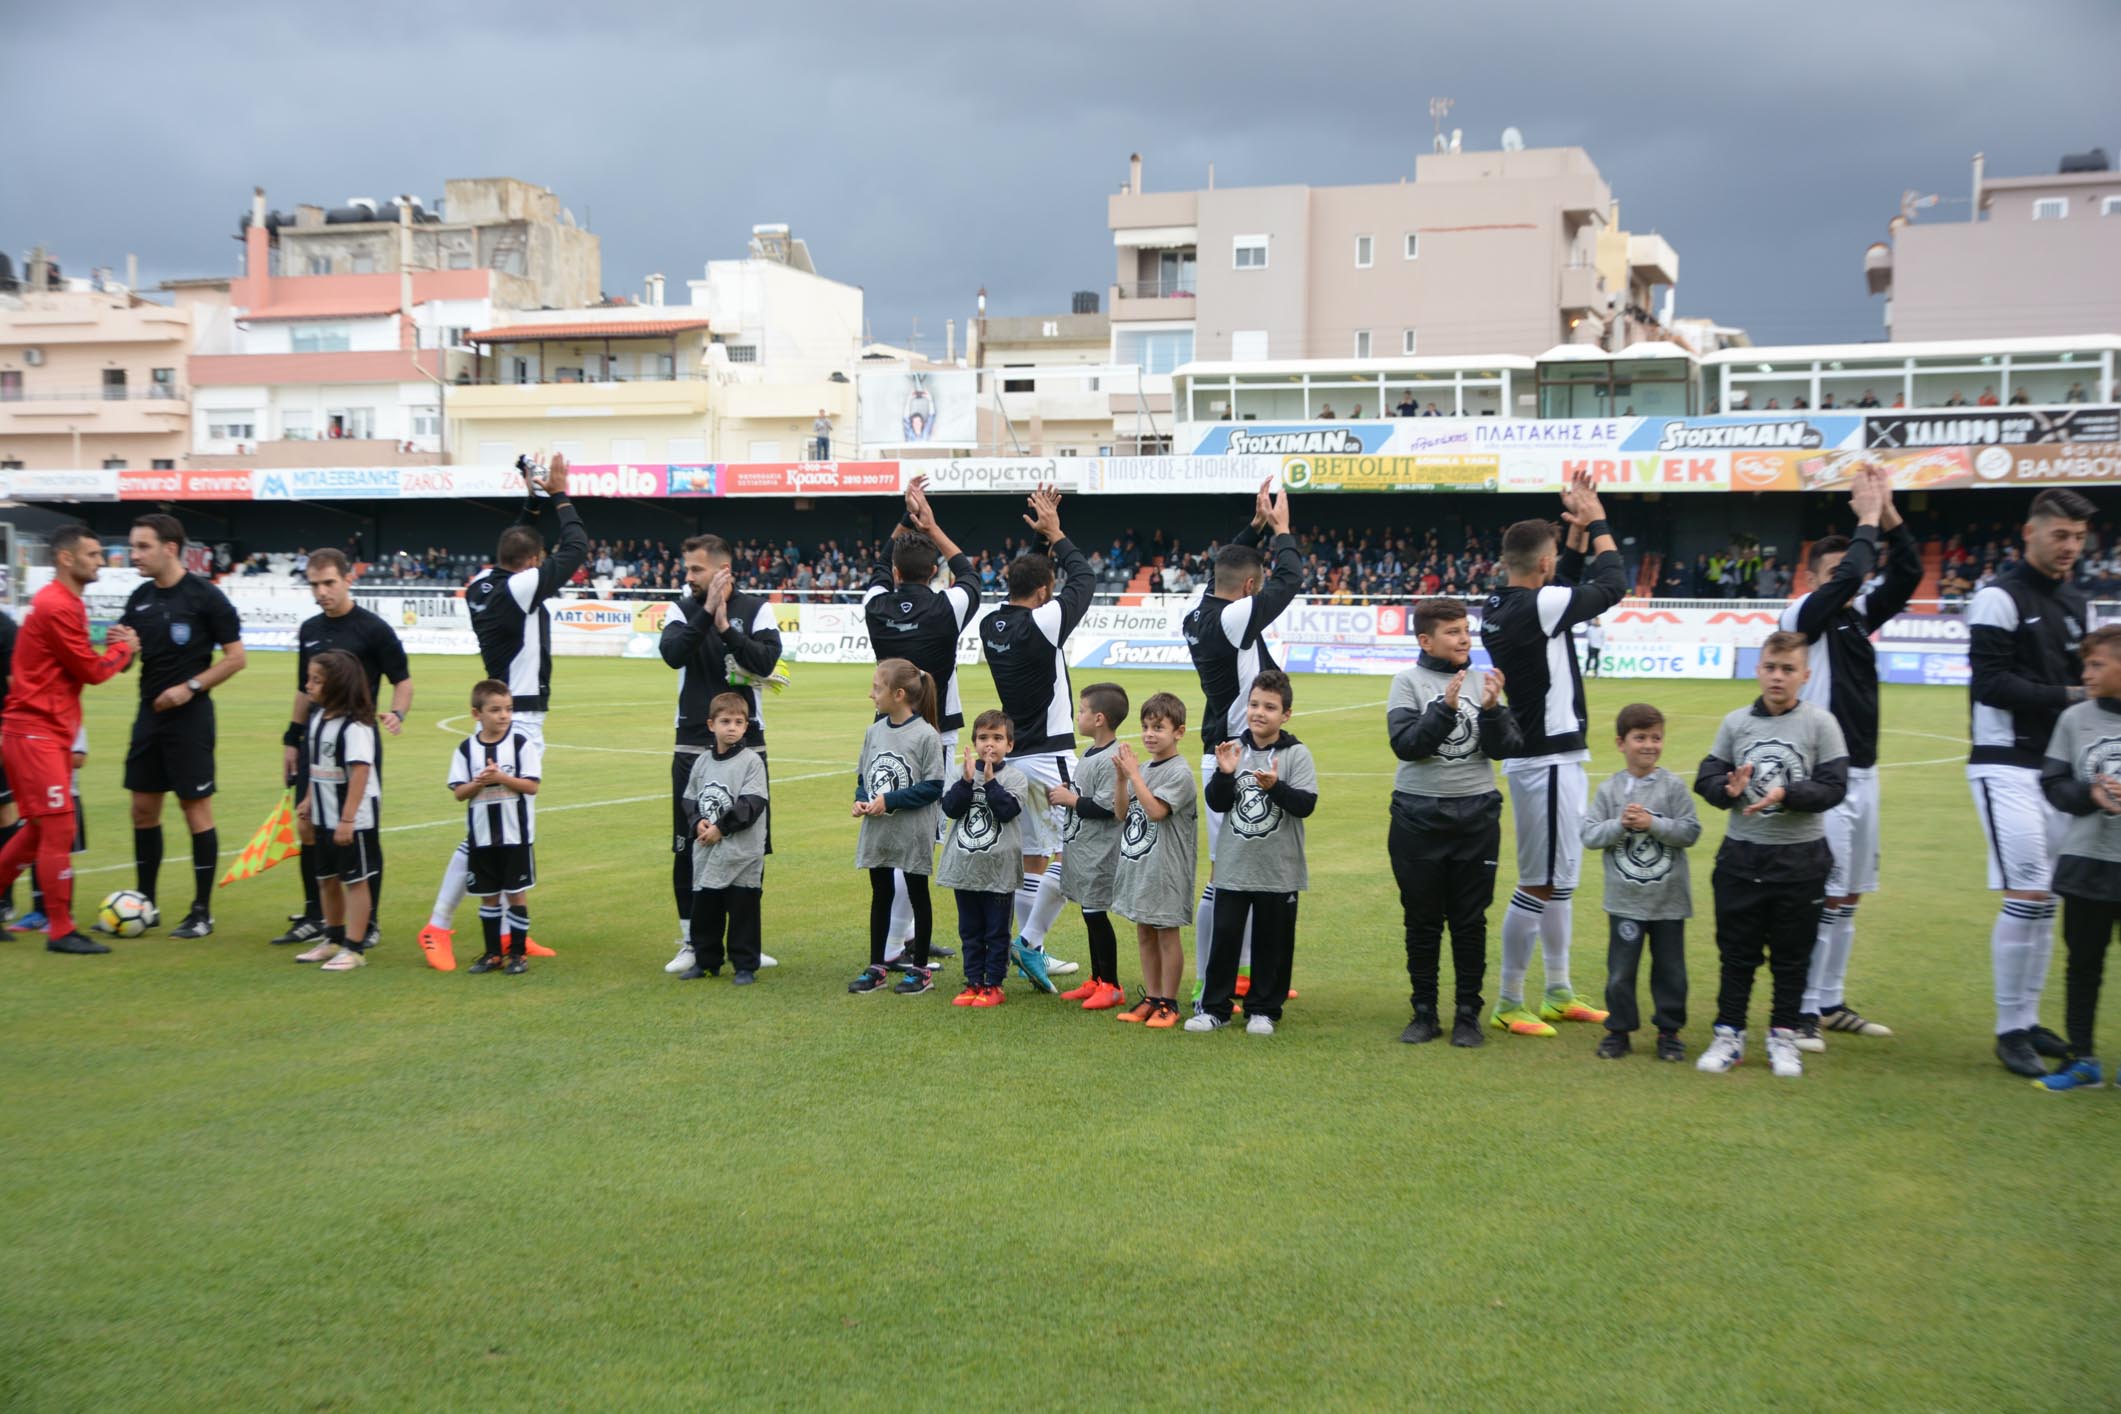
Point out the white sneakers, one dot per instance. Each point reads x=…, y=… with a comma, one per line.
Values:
x=347, y=960
x=1259, y=1026
x=1782, y=1054
x=1205, y=1021
x=684, y=958
x=1724, y=1052
x=322, y=952
x=1057, y=967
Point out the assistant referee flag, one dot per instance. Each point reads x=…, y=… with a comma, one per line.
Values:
x=274, y=842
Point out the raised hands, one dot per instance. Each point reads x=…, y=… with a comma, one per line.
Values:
x=1045, y=513
x=1228, y=755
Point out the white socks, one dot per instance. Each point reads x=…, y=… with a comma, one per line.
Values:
x=1555, y=924
x=1204, y=936
x=2019, y=947
x=900, y=933
x=1038, y=903
x=1520, y=925
x=456, y=882
x=1830, y=959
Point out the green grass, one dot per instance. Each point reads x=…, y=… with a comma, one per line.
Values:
x=230, y=1182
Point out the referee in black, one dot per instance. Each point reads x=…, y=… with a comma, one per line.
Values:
x=347, y=627
x=720, y=639
x=181, y=618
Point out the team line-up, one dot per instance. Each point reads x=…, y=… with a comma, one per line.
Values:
x=1027, y=824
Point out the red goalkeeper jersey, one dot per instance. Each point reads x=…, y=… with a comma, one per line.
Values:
x=53, y=661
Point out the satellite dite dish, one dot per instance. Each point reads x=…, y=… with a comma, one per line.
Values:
x=1512, y=140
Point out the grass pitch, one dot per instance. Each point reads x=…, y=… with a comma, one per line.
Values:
x=229, y=1182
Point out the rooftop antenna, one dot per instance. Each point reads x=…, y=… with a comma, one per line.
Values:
x=1439, y=109
x=1911, y=202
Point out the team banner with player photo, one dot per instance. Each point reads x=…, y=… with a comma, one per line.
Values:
x=917, y=407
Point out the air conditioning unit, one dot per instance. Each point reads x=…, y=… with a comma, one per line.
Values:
x=33, y=357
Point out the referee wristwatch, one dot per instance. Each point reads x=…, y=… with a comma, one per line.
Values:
x=195, y=685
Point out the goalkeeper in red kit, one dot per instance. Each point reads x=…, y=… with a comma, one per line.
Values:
x=53, y=661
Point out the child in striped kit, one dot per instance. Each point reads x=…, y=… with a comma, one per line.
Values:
x=495, y=774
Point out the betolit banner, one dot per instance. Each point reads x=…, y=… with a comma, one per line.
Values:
x=1432, y=472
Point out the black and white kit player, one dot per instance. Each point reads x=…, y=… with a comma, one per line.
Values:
x=500, y=825
x=1837, y=618
x=181, y=618
x=507, y=602
x=908, y=618
x=2023, y=633
x=346, y=627
x=1225, y=633
x=1526, y=628
x=720, y=639
x=1024, y=640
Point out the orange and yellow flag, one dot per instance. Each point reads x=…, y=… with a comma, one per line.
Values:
x=274, y=842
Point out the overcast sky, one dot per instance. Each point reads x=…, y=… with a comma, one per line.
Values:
x=924, y=151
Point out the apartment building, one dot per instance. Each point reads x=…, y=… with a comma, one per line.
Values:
x=91, y=374
x=1481, y=252
x=2039, y=256
x=1047, y=386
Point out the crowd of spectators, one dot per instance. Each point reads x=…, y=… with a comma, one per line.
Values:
x=1974, y=557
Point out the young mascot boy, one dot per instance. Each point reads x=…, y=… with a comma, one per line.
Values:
x=1777, y=766
x=1644, y=820
x=1448, y=727
x=1090, y=835
x=1158, y=850
x=1265, y=786
x=2082, y=778
x=727, y=791
x=983, y=855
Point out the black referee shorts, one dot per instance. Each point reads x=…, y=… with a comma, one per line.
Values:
x=173, y=756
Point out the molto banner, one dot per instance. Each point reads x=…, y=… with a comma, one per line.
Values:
x=1020, y=474
x=1992, y=427
x=1440, y=471
x=184, y=485
x=615, y=483
x=810, y=479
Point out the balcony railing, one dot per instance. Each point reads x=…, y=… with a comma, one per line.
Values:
x=580, y=382
x=148, y=393
x=1177, y=287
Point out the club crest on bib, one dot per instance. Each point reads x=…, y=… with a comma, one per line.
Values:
x=888, y=771
x=2101, y=758
x=714, y=802
x=1138, y=835
x=1642, y=859
x=978, y=831
x=1775, y=763
x=1253, y=815
x=180, y=634
x=1464, y=739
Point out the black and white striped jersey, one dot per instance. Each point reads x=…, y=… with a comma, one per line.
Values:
x=1838, y=618
x=508, y=611
x=337, y=745
x=1226, y=638
x=2022, y=637
x=1024, y=652
x=498, y=815
x=914, y=622
x=1527, y=635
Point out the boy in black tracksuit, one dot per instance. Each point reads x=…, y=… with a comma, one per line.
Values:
x=1447, y=728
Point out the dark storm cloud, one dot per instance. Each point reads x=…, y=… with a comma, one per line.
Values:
x=926, y=151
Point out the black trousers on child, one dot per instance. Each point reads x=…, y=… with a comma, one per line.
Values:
x=2087, y=927
x=1273, y=920
x=1446, y=878
x=984, y=928
x=1771, y=921
x=882, y=887
x=1623, y=954
x=733, y=908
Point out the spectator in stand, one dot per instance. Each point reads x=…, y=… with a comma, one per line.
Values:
x=603, y=567
x=301, y=567
x=1899, y=400
x=2076, y=394
x=1407, y=407
x=1433, y=411
x=1826, y=404
x=1868, y=400
x=804, y=581
x=1987, y=398
x=1956, y=400
x=2020, y=399
x=821, y=434
x=1774, y=405
x=1325, y=412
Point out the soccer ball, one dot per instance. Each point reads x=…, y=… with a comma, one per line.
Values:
x=128, y=914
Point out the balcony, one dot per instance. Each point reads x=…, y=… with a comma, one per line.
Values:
x=677, y=397
x=1652, y=260
x=319, y=451
x=145, y=410
x=1153, y=299
x=1582, y=289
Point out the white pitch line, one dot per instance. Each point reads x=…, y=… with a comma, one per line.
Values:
x=458, y=820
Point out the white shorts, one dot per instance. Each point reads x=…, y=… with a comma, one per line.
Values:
x=1042, y=822
x=1213, y=817
x=1547, y=804
x=2024, y=831
x=531, y=725
x=1852, y=834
